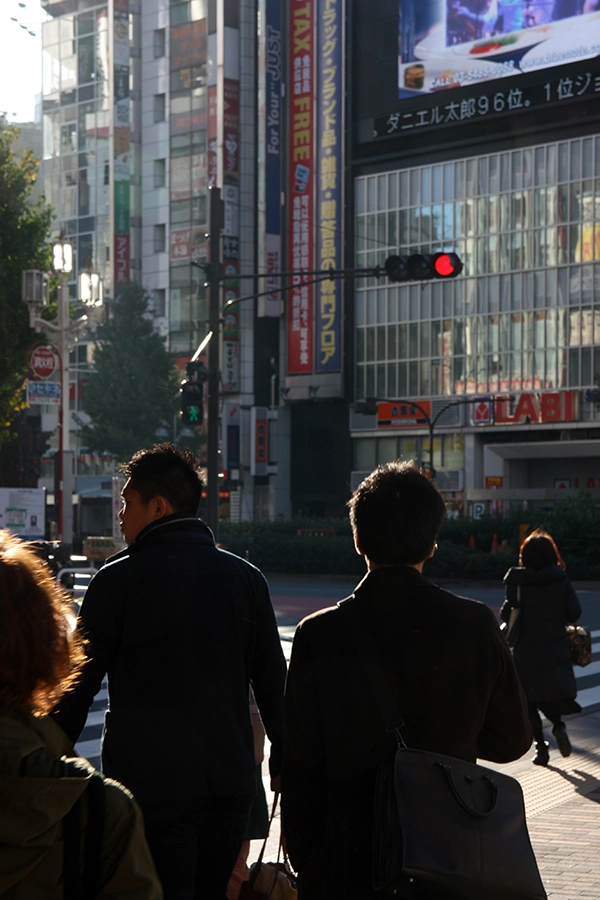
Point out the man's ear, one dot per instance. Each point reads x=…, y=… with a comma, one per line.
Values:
x=357, y=546
x=432, y=551
x=161, y=507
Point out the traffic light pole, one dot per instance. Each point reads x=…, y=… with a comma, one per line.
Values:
x=214, y=359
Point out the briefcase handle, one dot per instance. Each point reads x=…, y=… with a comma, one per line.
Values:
x=447, y=770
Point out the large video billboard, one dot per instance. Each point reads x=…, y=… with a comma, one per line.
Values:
x=444, y=44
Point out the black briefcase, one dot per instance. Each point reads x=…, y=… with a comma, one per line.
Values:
x=451, y=829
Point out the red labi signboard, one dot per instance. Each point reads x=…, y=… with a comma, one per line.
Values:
x=551, y=406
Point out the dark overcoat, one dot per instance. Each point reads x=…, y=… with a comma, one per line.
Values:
x=181, y=628
x=455, y=685
x=547, y=603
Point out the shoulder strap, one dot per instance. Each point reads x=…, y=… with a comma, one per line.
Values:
x=367, y=656
x=94, y=835
x=71, y=852
x=76, y=885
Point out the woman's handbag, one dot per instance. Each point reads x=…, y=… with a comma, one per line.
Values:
x=580, y=644
x=270, y=880
x=444, y=828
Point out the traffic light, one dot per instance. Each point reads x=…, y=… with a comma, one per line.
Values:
x=192, y=406
x=423, y=266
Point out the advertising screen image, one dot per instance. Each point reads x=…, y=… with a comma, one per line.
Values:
x=447, y=44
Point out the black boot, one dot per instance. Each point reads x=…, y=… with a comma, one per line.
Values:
x=562, y=738
x=542, y=754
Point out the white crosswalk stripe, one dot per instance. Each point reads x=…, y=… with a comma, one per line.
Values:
x=89, y=744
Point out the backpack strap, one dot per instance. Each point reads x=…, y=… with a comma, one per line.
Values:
x=367, y=655
x=96, y=798
x=78, y=886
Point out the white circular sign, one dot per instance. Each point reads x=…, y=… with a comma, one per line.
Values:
x=42, y=362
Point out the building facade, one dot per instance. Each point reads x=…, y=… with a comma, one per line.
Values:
x=501, y=167
x=144, y=110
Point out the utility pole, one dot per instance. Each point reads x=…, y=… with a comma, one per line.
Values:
x=214, y=358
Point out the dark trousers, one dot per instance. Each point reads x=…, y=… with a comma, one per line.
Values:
x=196, y=847
x=550, y=710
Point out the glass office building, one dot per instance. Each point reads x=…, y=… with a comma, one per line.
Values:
x=522, y=318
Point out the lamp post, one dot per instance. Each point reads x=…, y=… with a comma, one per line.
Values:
x=62, y=260
x=35, y=296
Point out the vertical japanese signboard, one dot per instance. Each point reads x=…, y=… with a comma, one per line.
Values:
x=121, y=142
x=329, y=186
x=270, y=136
x=230, y=144
x=300, y=189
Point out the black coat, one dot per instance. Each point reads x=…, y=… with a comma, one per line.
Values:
x=181, y=628
x=548, y=602
x=454, y=683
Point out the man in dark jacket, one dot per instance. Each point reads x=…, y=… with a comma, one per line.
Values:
x=182, y=629
x=446, y=663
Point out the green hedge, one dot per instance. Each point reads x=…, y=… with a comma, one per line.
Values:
x=574, y=523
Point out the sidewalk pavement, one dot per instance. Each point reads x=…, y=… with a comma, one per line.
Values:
x=562, y=803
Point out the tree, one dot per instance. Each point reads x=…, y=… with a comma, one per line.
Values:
x=24, y=230
x=133, y=389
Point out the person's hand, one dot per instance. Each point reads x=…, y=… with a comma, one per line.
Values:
x=276, y=784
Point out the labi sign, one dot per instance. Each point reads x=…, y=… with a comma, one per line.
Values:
x=543, y=407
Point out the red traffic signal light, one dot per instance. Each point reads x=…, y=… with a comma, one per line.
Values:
x=423, y=266
x=447, y=265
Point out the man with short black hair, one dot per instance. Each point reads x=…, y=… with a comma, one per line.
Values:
x=445, y=661
x=182, y=629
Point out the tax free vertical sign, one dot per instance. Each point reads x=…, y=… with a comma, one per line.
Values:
x=329, y=187
x=121, y=142
x=300, y=191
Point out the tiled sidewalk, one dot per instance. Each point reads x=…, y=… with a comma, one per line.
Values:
x=563, y=812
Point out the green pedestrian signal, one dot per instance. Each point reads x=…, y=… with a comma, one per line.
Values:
x=192, y=407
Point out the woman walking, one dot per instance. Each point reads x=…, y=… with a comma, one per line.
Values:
x=65, y=832
x=540, y=588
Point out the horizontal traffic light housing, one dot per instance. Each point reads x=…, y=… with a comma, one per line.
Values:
x=192, y=402
x=423, y=266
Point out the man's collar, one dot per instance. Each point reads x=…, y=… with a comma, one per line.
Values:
x=172, y=519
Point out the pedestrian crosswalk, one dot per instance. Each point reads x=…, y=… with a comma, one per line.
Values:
x=588, y=695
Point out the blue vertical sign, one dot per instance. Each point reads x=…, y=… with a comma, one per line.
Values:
x=272, y=303
x=330, y=182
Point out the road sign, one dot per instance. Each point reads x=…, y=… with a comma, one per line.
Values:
x=43, y=392
x=42, y=362
x=478, y=510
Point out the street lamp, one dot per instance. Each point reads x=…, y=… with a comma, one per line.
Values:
x=62, y=260
x=91, y=290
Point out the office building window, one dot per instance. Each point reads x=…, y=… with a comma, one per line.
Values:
x=158, y=297
x=159, y=238
x=522, y=314
x=160, y=107
x=159, y=173
x=159, y=43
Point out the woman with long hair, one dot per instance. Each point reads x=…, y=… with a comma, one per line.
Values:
x=542, y=591
x=51, y=806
